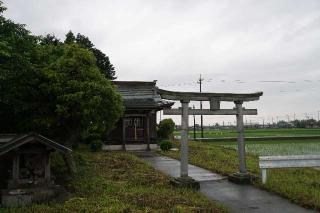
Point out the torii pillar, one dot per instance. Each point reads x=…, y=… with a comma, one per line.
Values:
x=185, y=180
x=241, y=177
x=240, y=137
x=184, y=139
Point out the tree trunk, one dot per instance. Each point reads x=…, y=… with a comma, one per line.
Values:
x=68, y=158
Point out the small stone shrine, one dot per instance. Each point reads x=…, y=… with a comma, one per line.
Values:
x=25, y=169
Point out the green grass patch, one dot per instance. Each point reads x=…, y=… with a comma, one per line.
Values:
x=298, y=185
x=121, y=182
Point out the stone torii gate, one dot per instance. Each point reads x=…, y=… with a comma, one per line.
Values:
x=214, y=98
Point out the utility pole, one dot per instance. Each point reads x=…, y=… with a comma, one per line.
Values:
x=194, y=126
x=318, y=116
x=200, y=83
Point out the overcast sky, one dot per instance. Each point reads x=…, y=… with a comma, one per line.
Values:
x=238, y=46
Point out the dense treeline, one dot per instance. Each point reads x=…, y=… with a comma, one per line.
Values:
x=59, y=89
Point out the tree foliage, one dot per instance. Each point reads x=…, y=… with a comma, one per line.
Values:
x=52, y=88
x=18, y=64
x=85, y=101
x=102, y=61
x=49, y=39
x=70, y=39
x=166, y=128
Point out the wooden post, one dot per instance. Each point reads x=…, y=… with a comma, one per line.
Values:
x=47, y=171
x=264, y=175
x=148, y=131
x=68, y=159
x=15, y=168
x=123, y=134
x=184, y=139
x=240, y=137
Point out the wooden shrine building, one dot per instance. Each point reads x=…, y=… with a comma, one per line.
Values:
x=137, y=128
x=25, y=168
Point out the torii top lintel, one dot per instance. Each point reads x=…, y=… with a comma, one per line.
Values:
x=203, y=96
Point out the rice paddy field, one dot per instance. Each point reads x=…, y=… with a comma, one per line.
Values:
x=256, y=132
x=300, y=185
x=281, y=147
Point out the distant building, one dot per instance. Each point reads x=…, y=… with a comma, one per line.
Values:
x=137, y=128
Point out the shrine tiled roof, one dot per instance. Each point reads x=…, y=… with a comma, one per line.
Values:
x=141, y=95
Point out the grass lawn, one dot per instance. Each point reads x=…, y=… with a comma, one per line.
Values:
x=255, y=132
x=120, y=182
x=301, y=186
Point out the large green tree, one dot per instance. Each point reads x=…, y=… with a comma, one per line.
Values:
x=102, y=62
x=52, y=88
x=84, y=100
x=18, y=66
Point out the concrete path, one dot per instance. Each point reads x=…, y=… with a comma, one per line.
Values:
x=239, y=198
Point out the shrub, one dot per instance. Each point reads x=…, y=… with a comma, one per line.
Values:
x=96, y=145
x=165, y=146
x=90, y=137
x=166, y=128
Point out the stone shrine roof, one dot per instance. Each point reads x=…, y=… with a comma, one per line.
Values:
x=9, y=142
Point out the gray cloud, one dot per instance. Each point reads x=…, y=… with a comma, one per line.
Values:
x=243, y=46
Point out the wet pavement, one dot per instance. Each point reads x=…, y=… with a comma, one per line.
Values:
x=171, y=167
x=239, y=198
x=247, y=198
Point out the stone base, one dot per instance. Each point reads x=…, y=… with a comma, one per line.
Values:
x=241, y=178
x=27, y=196
x=129, y=147
x=186, y=182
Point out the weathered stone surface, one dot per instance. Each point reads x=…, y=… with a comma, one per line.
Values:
x=241, y=178
x=196, y=96
x=184, y=139
x=186, y=182
x=24, y=197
